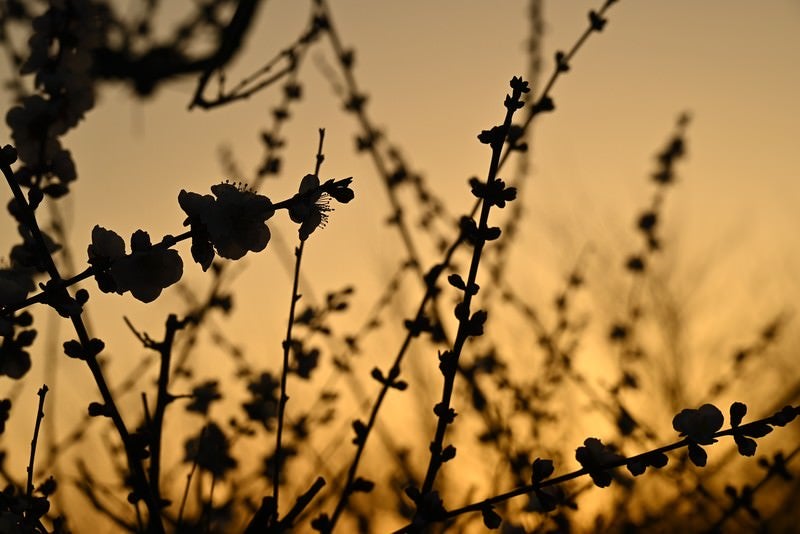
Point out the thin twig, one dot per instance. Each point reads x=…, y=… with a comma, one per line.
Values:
x=287, y=346
x=190, y=476
x=39, y=416
x=449, y=365
x=162, y=400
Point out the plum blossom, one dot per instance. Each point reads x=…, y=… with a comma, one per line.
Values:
x=595, y=457
x=233, y=223
x=211, y=451
x=145, y=272
x=311, y=205
x=699, y=425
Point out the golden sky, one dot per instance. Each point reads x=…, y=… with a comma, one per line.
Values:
x=436, y=73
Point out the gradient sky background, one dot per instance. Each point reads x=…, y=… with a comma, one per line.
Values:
x=436, y=73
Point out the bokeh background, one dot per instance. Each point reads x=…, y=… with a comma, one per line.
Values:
x=435, y=73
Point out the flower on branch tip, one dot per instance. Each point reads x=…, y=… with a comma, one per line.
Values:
x=233, y=223
x=699, y=425
x=594, y=456
x=518, y=84
x=8, y=155
x=145, y=272
x=311, y=205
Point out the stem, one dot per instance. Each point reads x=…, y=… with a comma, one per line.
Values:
x=163, y=398
x=434, y=275
x=287, y=345
x=462, y=333
x=189, y=477
x=39, y=416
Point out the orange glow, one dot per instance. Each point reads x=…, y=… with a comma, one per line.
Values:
x=435, y=74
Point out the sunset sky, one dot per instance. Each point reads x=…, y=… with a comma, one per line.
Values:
x=436, y=74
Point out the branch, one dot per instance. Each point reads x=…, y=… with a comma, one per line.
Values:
x=39, y=416
x=780, y=418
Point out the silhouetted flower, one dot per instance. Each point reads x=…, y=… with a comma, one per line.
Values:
x=210, y=451
x=234, y=223
x=202, y=397
x=305, y=360
x=594, y=456
x=311, y=205
x=518, y=84
x=145, y=272
x=263, y=406
x=541, y=470
x=699, y=425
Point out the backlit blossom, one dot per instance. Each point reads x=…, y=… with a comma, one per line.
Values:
x=233, y=223
x=699, y=425
x=145, y=272
x=311, y=205
x=595, y=457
